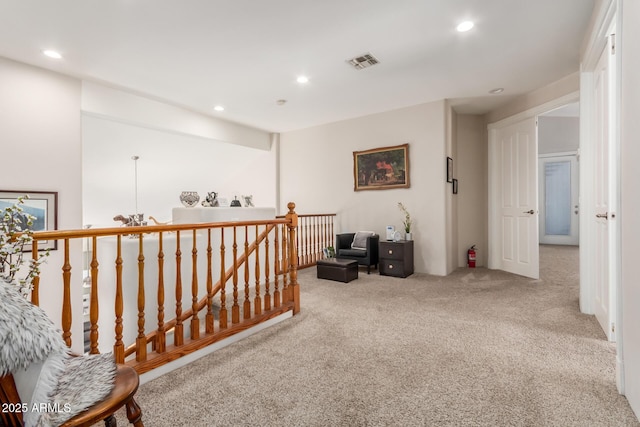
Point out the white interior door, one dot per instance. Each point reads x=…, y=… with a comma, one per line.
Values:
x=604, y=298
x=558, y=200
x=516, y=153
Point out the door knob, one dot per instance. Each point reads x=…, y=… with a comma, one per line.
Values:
x=530, y=212
x=604, y=215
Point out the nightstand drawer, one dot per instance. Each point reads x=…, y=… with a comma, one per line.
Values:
x=391, y=251
x=390, y=267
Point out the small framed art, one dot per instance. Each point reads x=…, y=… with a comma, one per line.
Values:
x=42, y=205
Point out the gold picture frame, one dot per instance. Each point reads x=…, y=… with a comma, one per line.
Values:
x=381, y=168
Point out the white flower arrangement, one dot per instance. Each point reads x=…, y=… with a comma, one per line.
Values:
x=15, y=234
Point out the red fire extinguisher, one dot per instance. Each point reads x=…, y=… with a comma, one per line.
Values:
x=471, y=257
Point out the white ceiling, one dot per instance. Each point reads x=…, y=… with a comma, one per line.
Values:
x=246, y=54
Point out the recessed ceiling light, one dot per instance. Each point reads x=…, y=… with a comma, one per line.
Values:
x=302, y=79
x=52, y=54
x=464, y=26
x=496, y=90
x=218, y=108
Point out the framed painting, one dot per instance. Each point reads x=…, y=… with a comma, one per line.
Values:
x=42, y=205
x=449, y=169
x=381, y=168
x=455, y=186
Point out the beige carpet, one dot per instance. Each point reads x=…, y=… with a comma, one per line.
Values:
x=476, y=348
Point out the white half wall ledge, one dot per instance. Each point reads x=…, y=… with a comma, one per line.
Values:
x=118, y=105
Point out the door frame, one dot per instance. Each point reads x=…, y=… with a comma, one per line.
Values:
x=606, y=18
x=494, y=253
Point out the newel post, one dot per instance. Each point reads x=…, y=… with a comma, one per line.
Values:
x=294, y=288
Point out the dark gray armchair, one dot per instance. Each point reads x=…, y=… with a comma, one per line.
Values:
x=366, y=252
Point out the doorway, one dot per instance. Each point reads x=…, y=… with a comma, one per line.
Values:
x=558, y=175
x=558, y=194
x=510, y=143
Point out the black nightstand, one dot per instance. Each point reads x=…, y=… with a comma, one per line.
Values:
x=396, y=258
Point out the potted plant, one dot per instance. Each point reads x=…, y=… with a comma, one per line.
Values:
x=406, y=222
x=15, y=235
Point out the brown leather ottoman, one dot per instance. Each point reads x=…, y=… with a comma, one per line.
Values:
x=341, y=270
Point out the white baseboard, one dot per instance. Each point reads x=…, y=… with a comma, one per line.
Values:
x=620, y=374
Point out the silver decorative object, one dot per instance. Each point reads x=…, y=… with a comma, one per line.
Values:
x=248, y=201
x=189, y=198
x=211, y=200
x=136, y=219
x=131, y=220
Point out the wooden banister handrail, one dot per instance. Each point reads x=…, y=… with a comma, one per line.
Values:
x=309, y=215
x=142, y=229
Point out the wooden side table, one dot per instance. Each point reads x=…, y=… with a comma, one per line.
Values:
x=396, y=258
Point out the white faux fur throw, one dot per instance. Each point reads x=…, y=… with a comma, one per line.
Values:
x=67, y=385
x=26, y=333
x=85, y=381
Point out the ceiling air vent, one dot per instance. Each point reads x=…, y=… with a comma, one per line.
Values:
x=363, y=61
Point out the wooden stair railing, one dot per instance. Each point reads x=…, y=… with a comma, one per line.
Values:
x=315, y=232
x=205, y=302
x=273, y=253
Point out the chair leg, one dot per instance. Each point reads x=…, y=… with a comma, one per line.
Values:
x=368, y=269
x=110, y=421
x=134, y=413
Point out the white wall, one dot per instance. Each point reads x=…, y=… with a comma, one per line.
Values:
x=116, y=104
x=471, y=171
x=179, y=151
x=317, y=173
x=552, y=91
x=169, y=163
x=41, y=150
x=558, y=134
x=630, y=199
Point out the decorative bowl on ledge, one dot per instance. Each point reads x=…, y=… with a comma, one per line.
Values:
x=189, y=198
